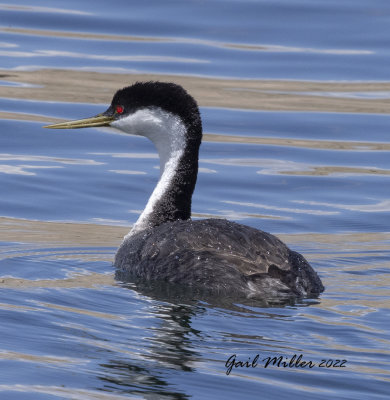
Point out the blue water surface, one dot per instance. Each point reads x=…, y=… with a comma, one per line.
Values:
x=320, y=180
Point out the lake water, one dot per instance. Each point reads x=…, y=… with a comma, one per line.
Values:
x=294, y=97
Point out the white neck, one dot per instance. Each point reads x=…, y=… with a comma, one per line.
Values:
x=167, y=132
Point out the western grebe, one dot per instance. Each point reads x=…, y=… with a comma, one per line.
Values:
x=165, y=244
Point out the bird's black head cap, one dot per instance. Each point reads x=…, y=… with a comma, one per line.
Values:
x=168, y=96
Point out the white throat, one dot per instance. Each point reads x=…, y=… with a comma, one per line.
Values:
x=167, y=132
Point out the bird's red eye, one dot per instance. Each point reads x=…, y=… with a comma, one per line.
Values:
x=119, y=109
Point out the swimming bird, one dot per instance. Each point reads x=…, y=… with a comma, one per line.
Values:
x=165, y=244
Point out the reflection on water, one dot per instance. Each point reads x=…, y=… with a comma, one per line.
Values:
x=190, y=41
x=37, y=9
x=61, y=84
x=154, y=344
x=105, y=57
x=135, y=341
x=24, y=169
x=382, y=206
x=352, y=95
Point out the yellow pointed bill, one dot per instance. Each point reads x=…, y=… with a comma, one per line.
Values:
x=98, y=120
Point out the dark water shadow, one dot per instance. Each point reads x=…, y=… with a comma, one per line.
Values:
x=194, y=296
x=174, y=344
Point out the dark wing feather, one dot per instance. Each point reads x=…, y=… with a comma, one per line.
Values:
x=218, y=255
